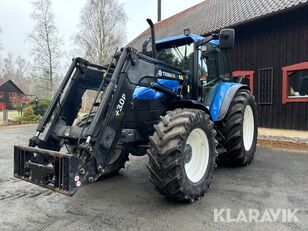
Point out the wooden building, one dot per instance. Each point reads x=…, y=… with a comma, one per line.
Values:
x=11, y=96
x=271, y=51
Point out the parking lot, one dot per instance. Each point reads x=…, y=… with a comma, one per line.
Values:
x=277, y=179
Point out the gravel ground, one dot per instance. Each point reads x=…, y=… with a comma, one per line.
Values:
x=296, y=140
x=276, y=179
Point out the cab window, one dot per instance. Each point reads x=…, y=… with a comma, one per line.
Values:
x=175, y=56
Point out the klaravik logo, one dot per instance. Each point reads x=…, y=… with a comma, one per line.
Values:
x=255, y=215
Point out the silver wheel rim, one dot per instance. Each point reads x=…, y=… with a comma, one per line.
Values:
x=248, y=128
x=196, y=167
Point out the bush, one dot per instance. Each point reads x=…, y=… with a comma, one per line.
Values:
x=28, y=116
x=42, y=106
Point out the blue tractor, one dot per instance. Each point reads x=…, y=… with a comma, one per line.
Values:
x=176, y=103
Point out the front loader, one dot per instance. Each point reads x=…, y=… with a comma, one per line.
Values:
x=178, y=104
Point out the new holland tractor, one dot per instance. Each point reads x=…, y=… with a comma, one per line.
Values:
x=177, y=103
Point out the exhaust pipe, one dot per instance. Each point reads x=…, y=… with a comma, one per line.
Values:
x=144, y=46
x=154, y=53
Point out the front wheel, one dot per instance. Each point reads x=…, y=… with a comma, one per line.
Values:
x=118, y=159
x=182, y=154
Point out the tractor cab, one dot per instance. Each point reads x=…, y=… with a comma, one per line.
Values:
x=203, y=60
x=200, y=63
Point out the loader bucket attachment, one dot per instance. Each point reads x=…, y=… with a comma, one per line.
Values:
x=49, y=169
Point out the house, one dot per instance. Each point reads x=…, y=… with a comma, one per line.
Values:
x=271, y=51
x=11, y=96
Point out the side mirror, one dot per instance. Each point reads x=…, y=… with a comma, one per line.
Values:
x=226, y=38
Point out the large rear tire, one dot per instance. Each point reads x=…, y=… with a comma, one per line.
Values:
x=118, y=158
x=238, y=131
x=182, y=154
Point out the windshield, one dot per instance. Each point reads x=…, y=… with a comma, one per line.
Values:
x=177, y=56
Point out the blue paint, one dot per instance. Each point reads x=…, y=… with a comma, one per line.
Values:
x=192, y=37
x=215, y=42
x=145, y=93
x=218, y=99
x=181, y=40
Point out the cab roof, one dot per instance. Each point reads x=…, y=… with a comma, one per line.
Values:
x=178, y=40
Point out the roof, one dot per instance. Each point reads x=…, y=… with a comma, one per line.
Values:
x=13, y=84
x=212, y=15
x=179, y=39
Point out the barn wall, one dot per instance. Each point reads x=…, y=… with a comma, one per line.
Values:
x=275, y=41
x=8, y=88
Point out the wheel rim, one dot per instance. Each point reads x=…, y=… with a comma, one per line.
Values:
x=198, y=148
x=248, y=128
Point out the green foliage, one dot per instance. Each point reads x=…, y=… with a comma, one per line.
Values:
x=42, y=106
x=169, y=56
x=28, y=116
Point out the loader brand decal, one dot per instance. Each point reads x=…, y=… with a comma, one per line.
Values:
x=161, y=73
x=120, y=105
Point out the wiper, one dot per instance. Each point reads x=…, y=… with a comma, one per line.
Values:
x=178, y=51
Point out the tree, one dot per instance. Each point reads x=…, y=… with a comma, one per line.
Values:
x=0, y=41
x=18, y=70
x=0, y=52
x=102, y=29
x=40, y=107
x=46, y=45
x=8, y=68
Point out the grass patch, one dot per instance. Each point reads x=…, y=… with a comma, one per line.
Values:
x=13, y=115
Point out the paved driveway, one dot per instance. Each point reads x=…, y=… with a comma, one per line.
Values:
x=276, y=180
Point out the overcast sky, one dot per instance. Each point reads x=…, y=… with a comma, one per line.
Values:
x=15, y=20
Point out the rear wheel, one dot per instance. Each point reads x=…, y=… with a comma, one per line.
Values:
x=182, y=154
x=118, y=158
x=237, y=132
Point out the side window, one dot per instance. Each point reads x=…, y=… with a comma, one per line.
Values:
x=208, y=76
x=202, y=67
x=295, y=83
x=211, y=60
x=13, y=96
x=202, y=75
x=224, y=64
x=298, y=84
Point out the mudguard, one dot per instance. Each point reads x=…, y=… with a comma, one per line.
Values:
x=222, y=99
x=190, y=104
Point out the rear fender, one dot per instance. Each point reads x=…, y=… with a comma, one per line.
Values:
x=223, y=98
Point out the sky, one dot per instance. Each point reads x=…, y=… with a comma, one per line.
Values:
x=16, y=24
